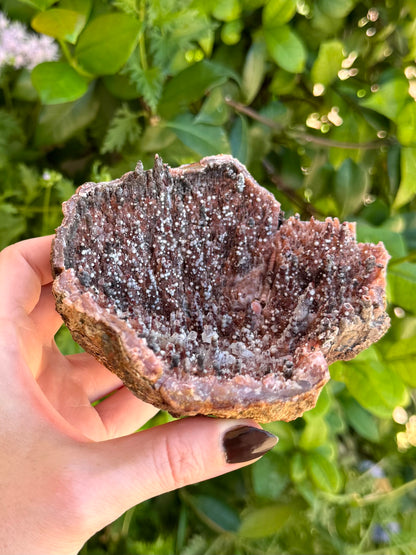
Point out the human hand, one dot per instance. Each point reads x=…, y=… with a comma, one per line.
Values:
x=68, y=468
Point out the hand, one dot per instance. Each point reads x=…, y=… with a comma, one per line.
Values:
x=68, y=468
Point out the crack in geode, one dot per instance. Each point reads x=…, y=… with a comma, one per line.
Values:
x=214, y=288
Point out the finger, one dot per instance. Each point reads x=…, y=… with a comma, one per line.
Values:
x=123, y=413
x=44, y=316
x=97, y=381
x=128, y=470
x=24, y=268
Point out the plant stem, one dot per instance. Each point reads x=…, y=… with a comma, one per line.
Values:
x=301, y=136
x=292, y=195
x=142, y=41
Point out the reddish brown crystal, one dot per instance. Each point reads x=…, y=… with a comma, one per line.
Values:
x=191, y=286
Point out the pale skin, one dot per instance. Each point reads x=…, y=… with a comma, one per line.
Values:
x=67, y=468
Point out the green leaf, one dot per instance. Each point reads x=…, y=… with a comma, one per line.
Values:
x=351, y=186
x=239, y=140
x=12, y=224
x=260, y=523
x=253, y=71
x=390, y=98
x=375, y=387
x=124, y=129
x=58, y=123
x=204, y=139
x=298, y=468
x=107, y=42
x=226, y=10
x=328, y=63
x=286, y=48
x=120, y=86
x=361, y=420
x=406, y=125
x=401, y=289
x=270, y=477
x=407, y=186
x=190, y=85
x=278, y=12
x=59, y=23
x=148, y=82
x=324, y=472
x=58, y=82
x=214, y=111
x=401, y=356
x=218, y=512
x=337, y=9
x=314, y=434
x=393, y=241
x=40, y=4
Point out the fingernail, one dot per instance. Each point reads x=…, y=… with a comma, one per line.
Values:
x=245, y=443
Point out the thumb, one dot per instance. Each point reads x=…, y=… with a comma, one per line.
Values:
x=126, y=471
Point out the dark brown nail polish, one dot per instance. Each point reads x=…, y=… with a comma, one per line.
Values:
x=245, y=443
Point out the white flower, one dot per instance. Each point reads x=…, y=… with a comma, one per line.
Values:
x=20, y=48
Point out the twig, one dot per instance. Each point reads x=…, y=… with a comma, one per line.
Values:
x=306, y=207
x=302, y=136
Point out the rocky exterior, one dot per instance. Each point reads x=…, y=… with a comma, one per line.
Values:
x=191, y=286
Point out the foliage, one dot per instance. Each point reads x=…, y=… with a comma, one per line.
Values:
x=317, y=98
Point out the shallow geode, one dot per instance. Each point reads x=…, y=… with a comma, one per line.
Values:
x=191, y=286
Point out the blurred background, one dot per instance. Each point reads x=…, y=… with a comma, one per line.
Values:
x=317, y=98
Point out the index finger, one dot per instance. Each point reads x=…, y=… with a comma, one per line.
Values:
x=24, y=268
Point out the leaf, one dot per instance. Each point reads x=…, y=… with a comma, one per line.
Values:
x=59, y=23
x=226, y=10
x=214, y=111
x=278, y=12
x=40, y=4
x=328, y=63
x=124, y=129
x=351, y=186
x=218, y=512
x=337, y=9
x=206, y=140
x=401, y=285
x=323, y=472
x=314, y=434
x=58, y=123
x=298, y=468
x=148, y=82
x=361, y=420
x=389, y=99
x=406, y=125
x=270, y=477
x=376, y=387
x=120, y=86
x=393, y=241
x=285, y=48
x=253, y=71
x=259, y=523
x=407, y=186
x=12, y=224
x=58, y=82
x=107, y=42
x=189, y=86
x=239, y=140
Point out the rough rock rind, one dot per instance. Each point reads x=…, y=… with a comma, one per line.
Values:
x=190, y=285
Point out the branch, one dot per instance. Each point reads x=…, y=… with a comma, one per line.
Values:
x=302, y=136
x=292, y=195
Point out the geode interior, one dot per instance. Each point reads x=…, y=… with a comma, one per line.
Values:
x=193, y=288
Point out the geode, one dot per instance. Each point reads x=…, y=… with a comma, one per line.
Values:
x=194, y=289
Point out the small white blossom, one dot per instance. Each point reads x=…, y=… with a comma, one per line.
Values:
x=20, y=48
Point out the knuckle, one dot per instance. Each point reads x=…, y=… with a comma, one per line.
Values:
x=182, y=463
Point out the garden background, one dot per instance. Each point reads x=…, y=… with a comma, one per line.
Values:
x=317, y=98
